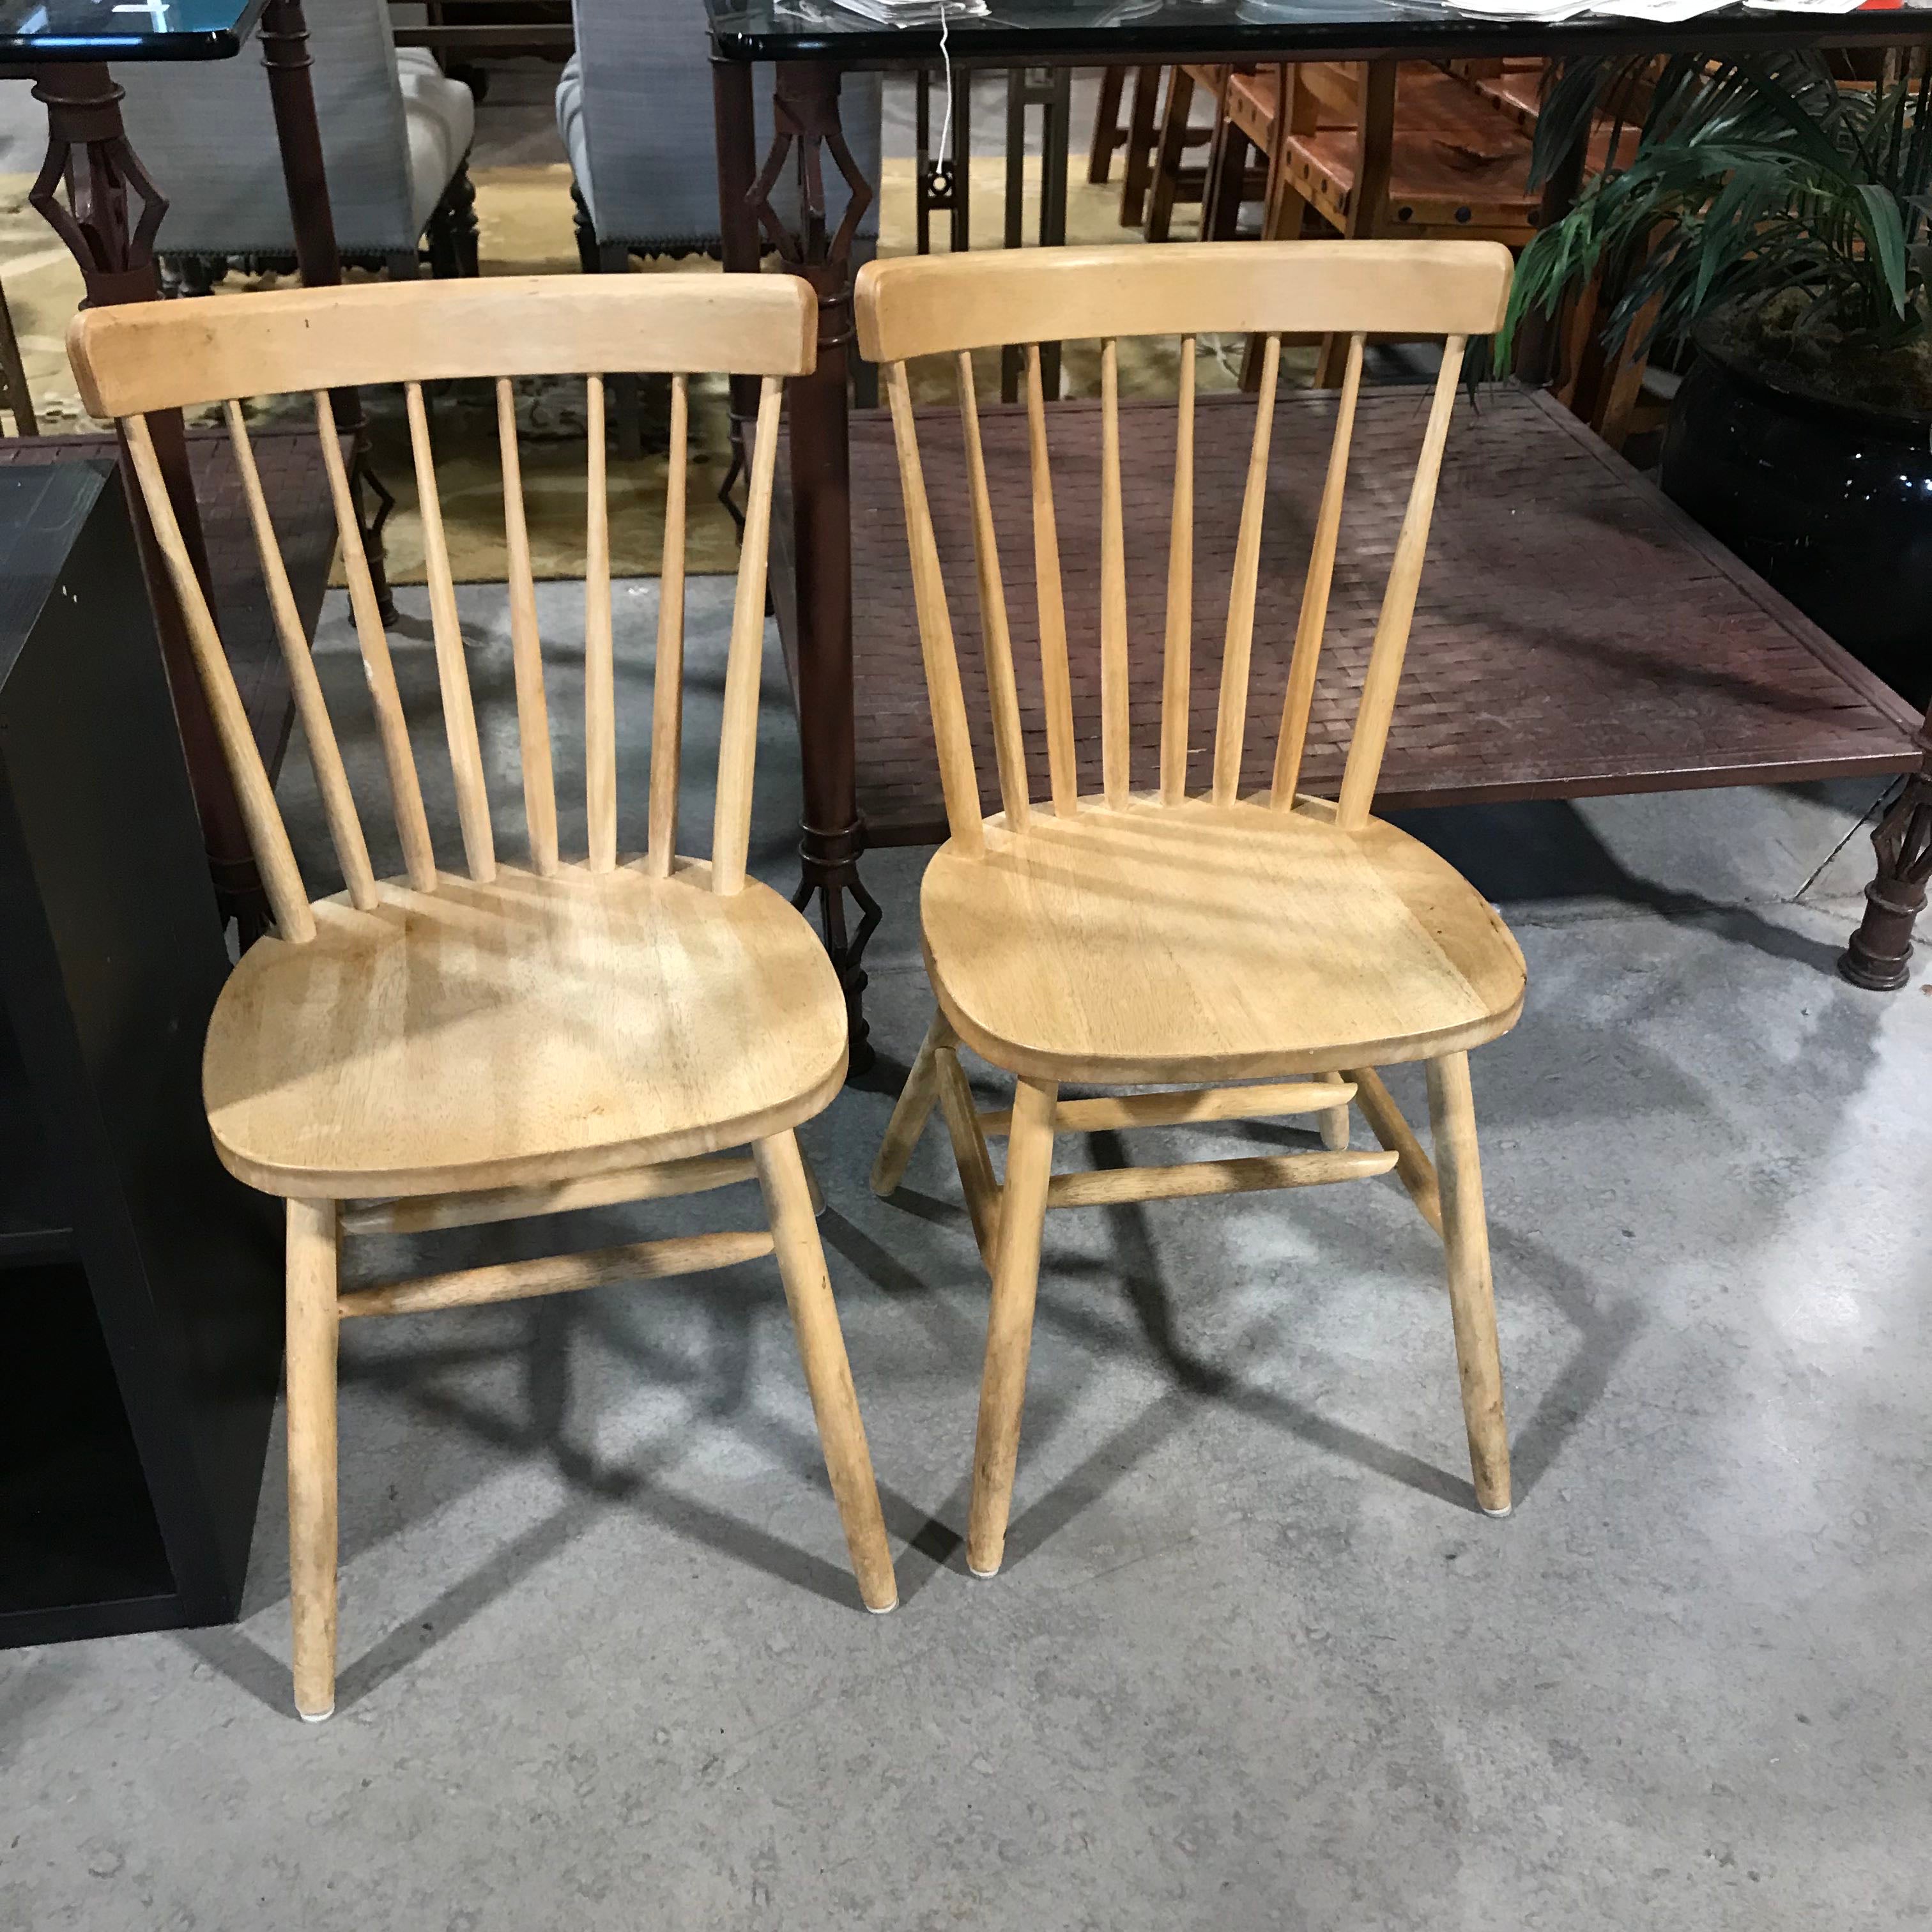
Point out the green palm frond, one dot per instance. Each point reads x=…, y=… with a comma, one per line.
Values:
x=1751, y=177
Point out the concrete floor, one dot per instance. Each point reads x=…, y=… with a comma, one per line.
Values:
x=1255, y=1660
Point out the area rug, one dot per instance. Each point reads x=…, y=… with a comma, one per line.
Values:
x=524, y=215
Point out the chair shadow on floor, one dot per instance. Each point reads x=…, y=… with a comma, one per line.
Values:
x=1605, y=1332
x=718, y=1388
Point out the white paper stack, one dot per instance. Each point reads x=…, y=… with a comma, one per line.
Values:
x=896, y=13
x=1668, y=12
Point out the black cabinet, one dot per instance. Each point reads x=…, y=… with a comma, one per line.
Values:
x=140, y=1285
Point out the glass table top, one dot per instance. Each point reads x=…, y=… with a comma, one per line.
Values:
x=1011, y=31
x=33, y=31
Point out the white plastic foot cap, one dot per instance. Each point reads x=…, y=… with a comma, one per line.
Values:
x=985, y=1576
x=1509, y=1510
x=317, y=1716
x=884, y=1609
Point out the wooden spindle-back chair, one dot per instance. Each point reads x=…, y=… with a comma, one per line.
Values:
x=526, y=1036
x=1193, y=939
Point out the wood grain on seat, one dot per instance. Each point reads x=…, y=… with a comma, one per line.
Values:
x=1199, y=942
x=528, y=1030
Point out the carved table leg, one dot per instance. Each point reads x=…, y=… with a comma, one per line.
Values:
x=283, y=35
x=1879, y=955
x=88, y=149
x=806, y=116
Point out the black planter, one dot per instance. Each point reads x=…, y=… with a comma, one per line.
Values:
x=1830, y=504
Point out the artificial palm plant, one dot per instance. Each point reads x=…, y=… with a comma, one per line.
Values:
x=1766, y=198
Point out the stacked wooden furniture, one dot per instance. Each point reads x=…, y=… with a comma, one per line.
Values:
x=1252, y=956
x=443, y=1049
x=1174, y=180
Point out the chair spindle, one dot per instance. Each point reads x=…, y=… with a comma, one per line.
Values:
x=1056, y=680
x=288, y=899
x=1114, y=751
x=345, y=829
x=1003, y=694
x=459, y=715
x=1176, y=663
x=738, y=737
x=1370, y=737
x=958, y=781
x=398, y=761
x=600, y=701
x=1299, y=697
x=1231, y=721
x=668, y=677
x=526, y=646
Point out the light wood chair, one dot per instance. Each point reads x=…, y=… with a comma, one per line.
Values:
x=446, y=1048
x=1192, y=940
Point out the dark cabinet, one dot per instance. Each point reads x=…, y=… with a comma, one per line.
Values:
x=140, y=1300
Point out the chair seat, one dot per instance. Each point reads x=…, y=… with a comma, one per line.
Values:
x=1428, y=101
x=1199, y=943
x=527, y=1031
x=1434, y=179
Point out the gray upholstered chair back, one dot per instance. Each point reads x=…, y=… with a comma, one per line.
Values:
x=635, y=110
x=206, y=132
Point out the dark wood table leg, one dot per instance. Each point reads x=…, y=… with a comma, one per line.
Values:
x=87, y=150
x=1050, y=89
x=1879, y=956
x=731, y=100
x=807, y=131
x=283, y=35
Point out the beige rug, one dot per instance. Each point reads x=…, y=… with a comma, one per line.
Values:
x=524, y=215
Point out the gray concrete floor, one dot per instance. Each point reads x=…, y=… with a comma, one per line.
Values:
x=1255, y=1660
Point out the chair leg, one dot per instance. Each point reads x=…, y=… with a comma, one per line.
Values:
x=1331, y=363
x=1009, y=1322
x=1281, y=221
x=1138, y=171
x=1106, y=126
x=1226, y=176
x=1452, y=1121
x=912, y=1111
x=1169, y=155
x=18, y=396
x=312, y=1327
x=588, y=255
x=821, y=1348
x=1335, y=1124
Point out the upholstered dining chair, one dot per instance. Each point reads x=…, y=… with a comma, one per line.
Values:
x=533, y=1033
x=1248, y=954
x=395, y=135
x=634, y=108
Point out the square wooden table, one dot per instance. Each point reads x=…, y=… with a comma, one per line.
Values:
x=1636, y=742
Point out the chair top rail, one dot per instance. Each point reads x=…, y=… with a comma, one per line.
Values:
x=136, y=357
x=936, y=304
